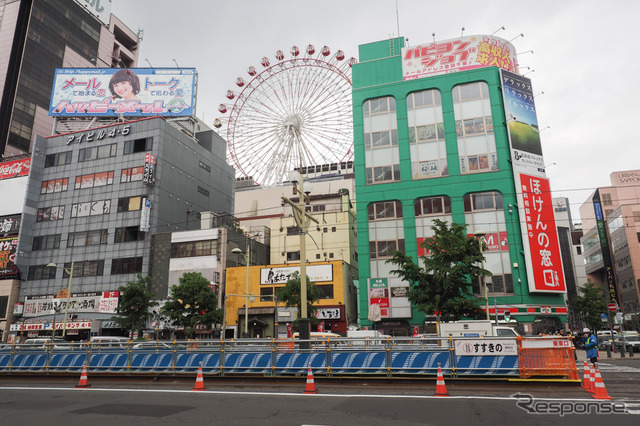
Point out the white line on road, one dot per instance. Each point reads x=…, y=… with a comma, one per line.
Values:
x=319, y=395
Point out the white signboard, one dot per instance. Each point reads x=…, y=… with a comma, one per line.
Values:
x=478, y=347
x=280, y=275
x=145, y=215
x=328, y=313
x=547, y=342
x=105, y=302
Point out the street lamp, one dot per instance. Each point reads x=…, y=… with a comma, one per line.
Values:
x=250, y=298
x=247, y=259
x=56, y=311
x=66, y=307
x=479, y=235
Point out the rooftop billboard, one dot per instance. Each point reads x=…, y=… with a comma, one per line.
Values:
x=131, y=92
x=457, y=54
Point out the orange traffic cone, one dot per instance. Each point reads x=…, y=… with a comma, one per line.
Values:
x=586, y=379
x=592, y=384
x=601, y=391
x=441, y=389
x=84, y=381
x=199, y=380
x=311, y=385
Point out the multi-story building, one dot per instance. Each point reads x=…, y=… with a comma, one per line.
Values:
x=95, y=197
x=438, y=135
x=611, y=241
x=38, y=36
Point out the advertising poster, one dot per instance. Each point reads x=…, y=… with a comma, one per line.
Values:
x=99, y=302
x=280, y=275
x=458, y=54
x=17, y=168
x=113, y=92
x=8, y=255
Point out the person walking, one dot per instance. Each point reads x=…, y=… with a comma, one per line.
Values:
x=591, y=345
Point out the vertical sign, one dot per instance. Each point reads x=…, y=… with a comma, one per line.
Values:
x=145, y=215
x=379, y=295
x=604, y=248
x=148, y=175
x=535, y=207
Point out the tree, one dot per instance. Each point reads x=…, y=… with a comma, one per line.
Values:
x=290, y=295
x=443, y=285
x=192, y=302
x=590, y=305
x=134, y=304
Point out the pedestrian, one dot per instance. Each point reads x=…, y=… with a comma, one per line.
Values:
x=591, y=345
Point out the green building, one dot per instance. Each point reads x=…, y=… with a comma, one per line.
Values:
x=436, y=145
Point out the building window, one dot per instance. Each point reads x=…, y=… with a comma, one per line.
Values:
x=54, y=185
x=384, y=249
x=89, y=268
x=58, y=159
x=97, y=152
x=194, y=248
x=266, y=293
x=206, y=167
x=293, y=255
x=327, y=291
x=606, y=199
x=426, y=210
x=138, y=145
x=91, y=208
x=318, y=208
x=129, y=204
x=485, y=211
x=426, y=135
x=87, y=238
x=94, y=179
x=579, y=248
x=330, y=255
x=4, y=302
x=203, y=191
x=128, y=265
x=127, y=234
x=385, y=210
x=474, y=128
x=41, y=272
x=47, y=214
x=133, y=174
x=293, y=230
x=46, y=242
x=318, y=256
x=382, y=160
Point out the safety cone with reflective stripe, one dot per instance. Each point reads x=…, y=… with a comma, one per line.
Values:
x=199, y=380
x=586, y=379
x=601, y=391
x=311, y=385
x=84, y=381
x=441, y=389
x=592, y=383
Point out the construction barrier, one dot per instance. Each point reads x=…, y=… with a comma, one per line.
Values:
x=547, y=356
x=396, y=357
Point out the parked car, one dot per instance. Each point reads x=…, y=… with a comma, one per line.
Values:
x=631, y=343
x=152, y=346
x=45, y=343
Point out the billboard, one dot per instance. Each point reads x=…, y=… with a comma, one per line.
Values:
x=17, y=168
x=8, y=247
x=114, y=92
x=282, y=274
x=98, y=302
x=458, y=54
x=535, y=204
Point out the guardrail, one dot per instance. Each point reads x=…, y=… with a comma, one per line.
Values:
x=390, y=357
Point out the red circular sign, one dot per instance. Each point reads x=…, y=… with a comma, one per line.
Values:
x=612, y=307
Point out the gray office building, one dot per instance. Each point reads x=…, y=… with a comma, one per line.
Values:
x=93, y=200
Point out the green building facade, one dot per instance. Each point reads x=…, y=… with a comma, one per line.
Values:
x=436, y=147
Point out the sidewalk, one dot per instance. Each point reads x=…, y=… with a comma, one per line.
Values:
x=582, y=355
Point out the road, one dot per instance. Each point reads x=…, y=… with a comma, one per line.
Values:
x=168, y=400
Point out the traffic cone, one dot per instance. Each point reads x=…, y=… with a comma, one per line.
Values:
x=586, y=379
x=601, y=391
x=199, y=380
x=84, y=381
x=592, y=383
x=311, y=385
x=441, y=389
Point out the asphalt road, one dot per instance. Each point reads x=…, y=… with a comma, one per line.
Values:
x=144, y=401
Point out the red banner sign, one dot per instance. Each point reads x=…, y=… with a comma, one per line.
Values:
x=542, y=235
x=11, y=169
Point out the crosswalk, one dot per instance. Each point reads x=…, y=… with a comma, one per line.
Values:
x=617, y=368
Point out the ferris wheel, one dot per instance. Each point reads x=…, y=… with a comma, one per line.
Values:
x=293, y=112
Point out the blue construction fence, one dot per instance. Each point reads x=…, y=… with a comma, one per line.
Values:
x=396, y=357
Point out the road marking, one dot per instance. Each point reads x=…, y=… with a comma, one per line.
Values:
x=300, y=395
x=618, y=368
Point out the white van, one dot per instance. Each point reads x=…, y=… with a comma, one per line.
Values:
x=45, y=343
x=109, y=342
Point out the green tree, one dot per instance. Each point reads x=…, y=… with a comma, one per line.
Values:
x=133, y=306
x=290, y=295
x=192, y=302
x=443, y=285
x=590, y=305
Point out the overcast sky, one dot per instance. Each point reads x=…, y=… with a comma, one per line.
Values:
x=586, y=59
